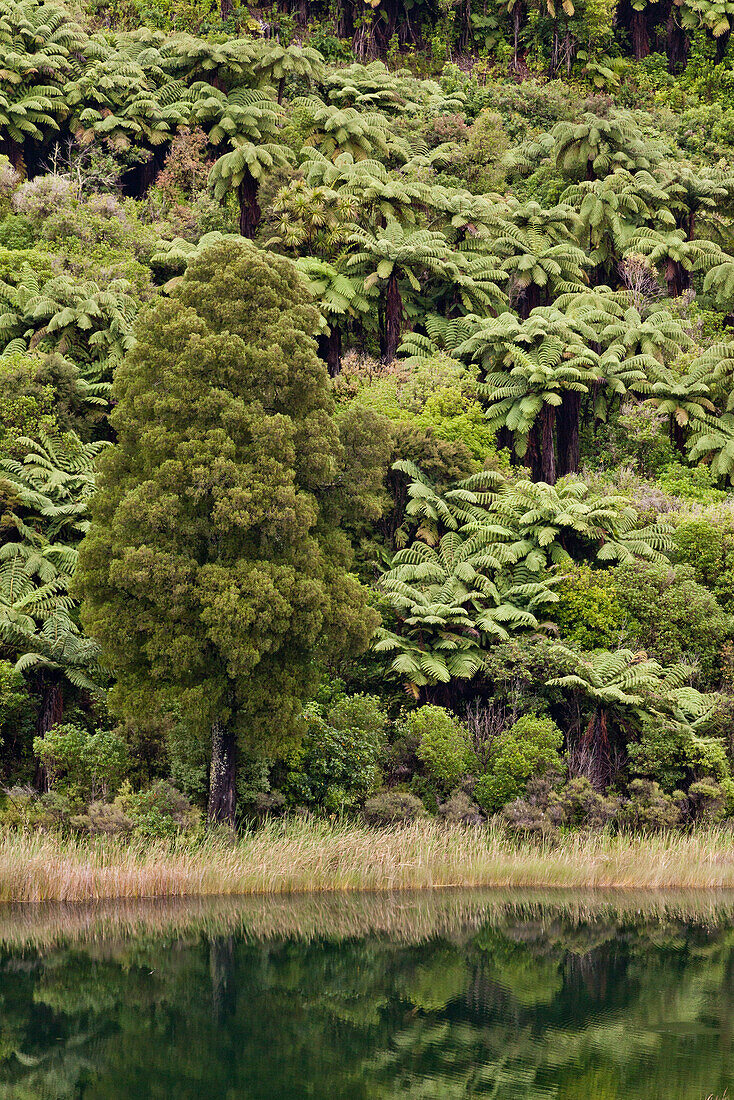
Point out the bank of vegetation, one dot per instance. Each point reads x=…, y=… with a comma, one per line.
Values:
x=307, y=857
x=367, y=437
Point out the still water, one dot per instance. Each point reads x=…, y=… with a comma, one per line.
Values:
x=439, y=995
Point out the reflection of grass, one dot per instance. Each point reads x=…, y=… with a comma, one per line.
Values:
x=408, y=916
x=302, y=855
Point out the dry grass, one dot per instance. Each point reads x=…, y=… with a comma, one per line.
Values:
x=297, y=856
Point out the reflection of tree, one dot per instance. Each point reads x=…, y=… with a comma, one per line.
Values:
x=527, y=1006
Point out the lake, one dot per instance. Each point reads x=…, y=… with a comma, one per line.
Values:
x=441, y=994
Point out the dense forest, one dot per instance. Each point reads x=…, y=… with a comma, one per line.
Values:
x=367, y=432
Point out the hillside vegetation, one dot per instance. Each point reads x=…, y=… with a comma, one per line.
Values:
x=367, y=432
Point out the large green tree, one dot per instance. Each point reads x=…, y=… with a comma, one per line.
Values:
x=215, y=571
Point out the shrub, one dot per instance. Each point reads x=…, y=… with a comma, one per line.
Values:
x=391, y=807
x=186, y=170
x=336, y=767
x=16, y=232
x=40, y=392
x=649, y=809
x=42, y=196
x=25, y=808
x=673, y=755
x=446, y=127
x=578, y=804
x=157, y=811
x=16, y=716
x=103, y=819
x=526, y=818
x=588, y=611
x=358, y=712
x=442, y=744
x=528, y=748
x=81, y=765
x=547, y=806
x=459, y=809
x=708, y=548
x=709, y=801
x=673, y=617
x=690, y=483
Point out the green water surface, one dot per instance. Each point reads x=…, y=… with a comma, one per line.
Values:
x=445, y=995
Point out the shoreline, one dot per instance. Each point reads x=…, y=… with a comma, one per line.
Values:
x=290, y=857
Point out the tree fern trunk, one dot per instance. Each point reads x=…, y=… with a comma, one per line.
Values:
x=50, y=713
x=677, y=436
x=533, y=454
x=393, y=317
x=567, y=430
x=676, y=41
x=250, y=211
x=528, y=300
x=722, y=45
x=223, y=776
x=677, y=278
x=14, y=152
x=640, y=35
x=330, y=350
x=547, y=448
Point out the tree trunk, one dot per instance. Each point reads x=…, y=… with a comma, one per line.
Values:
x=528, y=300
x=533, y=455
x=330, y=350
x=223, y=776
x=518, y=14
x=225, y=9
x=640, y=35
x=722, y=45
x=221, y=972
x=281, y=89
x=14, y=152
x=677, y=436
x=541, y=455
x=567, y=431
x=250, y=211
x=393, y=317
x=597, y=765
x=676, y=42
x=676, y=278
x=547, y=449
x=691, y=226
x=50, y=713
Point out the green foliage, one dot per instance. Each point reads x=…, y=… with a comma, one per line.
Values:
x=85, y=767
x=393, y=807
x=442, y=744
x=648, y=809
x=337, y=764
x=223, y=379
x=707, y=546
x=156, y=811
x=16, y=718
x=505, y=246
x=527, y=749
x=28, y=403
x=674, y=618
x=674, y=756
x=588, y=612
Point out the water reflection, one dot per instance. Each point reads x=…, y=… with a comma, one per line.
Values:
x=437, y=995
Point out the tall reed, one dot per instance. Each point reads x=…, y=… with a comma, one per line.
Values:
x=306, y=855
